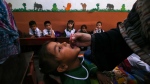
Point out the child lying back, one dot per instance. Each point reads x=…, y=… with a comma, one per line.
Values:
x=60, y=59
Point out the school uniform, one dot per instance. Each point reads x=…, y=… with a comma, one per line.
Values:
x=48, y=32
x=99, y=30
x=80, y=75
x=68, y=33
x=37, y=32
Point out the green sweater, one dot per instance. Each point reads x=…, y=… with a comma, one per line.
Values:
x=79, y=75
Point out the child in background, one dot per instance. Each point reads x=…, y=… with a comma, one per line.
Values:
x=48, y=31
x=83, y=29
x=34, y=31
x=60, y=59
x=98, y=28
x=70, y=29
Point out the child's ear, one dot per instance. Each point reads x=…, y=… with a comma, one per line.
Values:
x=62, y=67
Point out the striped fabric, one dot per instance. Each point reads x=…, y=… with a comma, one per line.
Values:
x=136, y=29
x=9, y=44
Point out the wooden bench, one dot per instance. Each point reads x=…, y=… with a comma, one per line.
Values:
x=34, y=44
x=35, y=41
x=15, y=69
x=41, y=78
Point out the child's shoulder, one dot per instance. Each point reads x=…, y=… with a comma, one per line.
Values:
x=37, y=28
x=44, y=29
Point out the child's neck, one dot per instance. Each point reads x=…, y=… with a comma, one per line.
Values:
x=70, y=28
x=74, y=64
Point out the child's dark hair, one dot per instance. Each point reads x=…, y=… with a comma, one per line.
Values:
x=47, y=62
x=70, y=22
x=32, y=23
x=47, y=22
x=83, y=26
x=99, y=22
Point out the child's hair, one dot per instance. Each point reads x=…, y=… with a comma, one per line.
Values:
x=47, y=22
x=47, y=62
x=99, y=22
x=32, y=23
x=118, y=23
x=70, y=22
x=83, y=26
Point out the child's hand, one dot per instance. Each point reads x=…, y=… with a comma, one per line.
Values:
x=32, y=36
x=96, y=28
x=84, y=30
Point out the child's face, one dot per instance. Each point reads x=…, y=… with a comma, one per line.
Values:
x=99, y=25
x=70, y=25
x=84, y=29
x=48, y=26
x=63, y=51
x=33, y=27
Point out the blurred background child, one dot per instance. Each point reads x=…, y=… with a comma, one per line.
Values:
x=98, y=28
x=34, y=31
x=70, y=28
x=83, y=29
x=48, y=31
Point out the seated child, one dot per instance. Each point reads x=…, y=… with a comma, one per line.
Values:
x=83, y=29
x=70, y=29
x=48, y=31
x=34, y=31
x=60, y=59
x=98, y=28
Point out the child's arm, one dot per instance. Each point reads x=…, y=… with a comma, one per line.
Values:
x=52, y=33
x=38, y=33
x=94, y=31
x=31, y=33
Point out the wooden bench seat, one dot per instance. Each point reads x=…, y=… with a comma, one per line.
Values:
x=15, y=68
